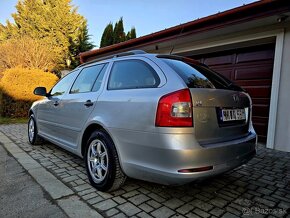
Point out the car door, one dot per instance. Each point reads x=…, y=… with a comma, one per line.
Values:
x=48, y=118
x=79, y=102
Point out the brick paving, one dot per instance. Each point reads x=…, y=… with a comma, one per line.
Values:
x=260, y=188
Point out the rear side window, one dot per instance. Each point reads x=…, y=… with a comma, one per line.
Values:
x=132, y=74
x=86, y=79
x=198, y=76
x=191, y=76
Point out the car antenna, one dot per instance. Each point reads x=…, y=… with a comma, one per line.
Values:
x=176, y=40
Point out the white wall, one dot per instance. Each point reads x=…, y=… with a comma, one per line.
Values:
x=282, y=133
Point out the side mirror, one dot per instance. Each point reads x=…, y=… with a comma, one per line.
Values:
x=40, y=91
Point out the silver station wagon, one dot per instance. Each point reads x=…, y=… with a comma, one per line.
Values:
x=160, y=118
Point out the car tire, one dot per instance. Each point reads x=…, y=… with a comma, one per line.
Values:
x=33, y=136
x=102, y=162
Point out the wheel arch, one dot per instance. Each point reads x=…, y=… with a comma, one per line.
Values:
x=30, y=112
x=87, y=133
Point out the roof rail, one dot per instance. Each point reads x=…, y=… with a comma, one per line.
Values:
x=122, y=54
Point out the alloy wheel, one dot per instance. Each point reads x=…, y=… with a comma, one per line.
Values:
x=97, y=157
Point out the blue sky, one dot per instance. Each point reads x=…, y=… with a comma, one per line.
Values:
x=147, y=16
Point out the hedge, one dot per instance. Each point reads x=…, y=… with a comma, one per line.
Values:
x=16, y=90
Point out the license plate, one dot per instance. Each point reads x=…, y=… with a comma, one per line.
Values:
x=233, y=114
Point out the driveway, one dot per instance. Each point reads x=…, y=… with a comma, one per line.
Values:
x=260, y=187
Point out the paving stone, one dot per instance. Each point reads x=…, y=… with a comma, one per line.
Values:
x=162, y=212
x=130, y=187
x=144, y=215
x=74, y=172
x=70, y=178
x=192, y=215
x=229, y=215
x=265, y=202
x=185, y=208
x=95, y=200
x=284, y=205
x=83, y=176
x=105, y=205
x=201, y=213
x=90, y=196
x=138, y=199
x=156, y=197
x=105, y=195
x=186, y=198
x=153, y=203
x=60, y=170
x=82, y=187
x=204, y=206
x=143, y=190
x=264, y=191
x=119, y=200
x=201, y=197
x=87, y=191
x=118, y=192
x=233, y=211
x=111, y=212
x=130, y=194
x=119, y=215
x=129, y=209
x=217, y=212
x=146, y=207
x=79, y=181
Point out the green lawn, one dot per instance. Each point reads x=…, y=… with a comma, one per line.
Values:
x=7, y=120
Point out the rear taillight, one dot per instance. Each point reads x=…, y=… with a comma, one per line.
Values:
x=175, y=110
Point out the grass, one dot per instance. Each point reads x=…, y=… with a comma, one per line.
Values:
x=8, y=120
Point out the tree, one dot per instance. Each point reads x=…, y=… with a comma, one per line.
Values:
x=133, y=33
x=119, y=35
x=56, y=22
x=116, y=35
x=107, y=37
x=81, y=44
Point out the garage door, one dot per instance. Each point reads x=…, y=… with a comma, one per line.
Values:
x=251, y=68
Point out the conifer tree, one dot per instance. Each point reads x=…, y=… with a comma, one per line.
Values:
x=128, y=35
x=133, y=33
x=116, y=35
x=119, y=35
x=81, y=44
x=107, y=37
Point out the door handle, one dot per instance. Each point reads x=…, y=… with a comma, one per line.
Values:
x=89, y=103
x=56, y=103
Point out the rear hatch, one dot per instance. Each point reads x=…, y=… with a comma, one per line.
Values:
x=219, y=115
x=221, y=110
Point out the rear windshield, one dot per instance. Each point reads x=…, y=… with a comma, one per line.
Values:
x=198, y=76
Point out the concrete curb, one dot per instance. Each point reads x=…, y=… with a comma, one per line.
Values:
x=64, y=196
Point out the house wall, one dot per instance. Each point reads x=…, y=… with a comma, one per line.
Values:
x=282, y=133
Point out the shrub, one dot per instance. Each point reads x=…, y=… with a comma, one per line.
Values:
x=17, y=85
x=27, y=53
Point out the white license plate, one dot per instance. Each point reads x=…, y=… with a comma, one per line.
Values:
x=233, y=114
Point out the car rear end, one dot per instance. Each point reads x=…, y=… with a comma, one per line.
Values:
x=206, y=127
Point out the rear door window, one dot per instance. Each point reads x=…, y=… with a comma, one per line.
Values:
x=132, y=74
x=87, y=78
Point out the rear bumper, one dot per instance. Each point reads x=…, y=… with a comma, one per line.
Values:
x=160, y=156
x=228, y=164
